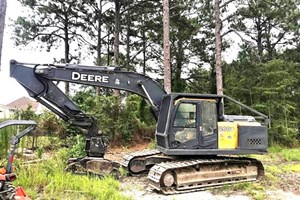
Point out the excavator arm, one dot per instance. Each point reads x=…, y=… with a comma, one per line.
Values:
x=38, y=80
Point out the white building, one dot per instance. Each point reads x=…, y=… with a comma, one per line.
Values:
x=7, y=111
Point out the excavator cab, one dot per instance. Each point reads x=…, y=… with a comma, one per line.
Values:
x=192, y=124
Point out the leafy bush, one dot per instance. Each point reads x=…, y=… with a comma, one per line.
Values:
x=130, y=124
x=280, y=134
x=77, y=150
x=27, y=114
x=121, y=121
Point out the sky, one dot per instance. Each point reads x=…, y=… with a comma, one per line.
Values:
x=10, y=89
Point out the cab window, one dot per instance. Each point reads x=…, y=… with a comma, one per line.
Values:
x=208, y=117
x=185, y=116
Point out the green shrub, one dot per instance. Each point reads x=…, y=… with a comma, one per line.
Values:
x=121, y=120
x=77, y=150
x=284, y=136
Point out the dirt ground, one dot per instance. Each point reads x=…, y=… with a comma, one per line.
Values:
x=138, y=189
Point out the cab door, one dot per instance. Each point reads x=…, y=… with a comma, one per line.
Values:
x=194, y=125
x=207, y=117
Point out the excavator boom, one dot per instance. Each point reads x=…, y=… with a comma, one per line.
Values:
x=38, y=80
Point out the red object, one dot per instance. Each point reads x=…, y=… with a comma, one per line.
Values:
x=21, y=195
x=2, y=177
x=8, y=177
x=11, y=159
x=11, y=177
x=2, y=170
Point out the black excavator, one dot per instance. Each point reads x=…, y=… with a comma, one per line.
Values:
x=198, y=145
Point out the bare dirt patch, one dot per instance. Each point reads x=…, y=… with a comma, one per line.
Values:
x=290, y=182
x=116, y=153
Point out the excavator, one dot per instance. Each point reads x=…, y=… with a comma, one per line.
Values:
x=198, y=145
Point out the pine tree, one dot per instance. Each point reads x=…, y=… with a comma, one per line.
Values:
x=52, y=23
x=267, y=25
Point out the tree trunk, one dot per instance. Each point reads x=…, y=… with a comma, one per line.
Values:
x=166, y=30
x=99, y=42
x=117, y=32
x=3, y=4
x=259, y=39
x=144, y=51
x=269, y=46
x=219, y=76
x=128, y=26
x=117, y=39
x=67, y=50
x=116, y=61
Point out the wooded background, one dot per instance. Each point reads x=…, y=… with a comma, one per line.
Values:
x=264, y=75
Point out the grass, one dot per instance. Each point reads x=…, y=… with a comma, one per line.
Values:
x=292, y=168
x=48, y=180
x=123, y=171
x=288, y=168
x=291, y=154
x=285, y=154
x=279, y=154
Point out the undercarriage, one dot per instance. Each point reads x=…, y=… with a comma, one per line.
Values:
x=171, y=175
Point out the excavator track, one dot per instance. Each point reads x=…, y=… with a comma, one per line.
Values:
x=197, y=174
x=140, y=162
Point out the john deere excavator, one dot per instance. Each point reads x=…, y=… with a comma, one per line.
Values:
x=198, y=144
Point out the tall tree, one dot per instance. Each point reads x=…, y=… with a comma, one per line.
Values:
x=183, y=41
x=219, y=24
x=197, y=18
x=51, y=22
x=3, y=4
x=99, y=39
x=145, y=34
x=166, y=30
x=219, y=76
x=93, y=28
x=267, y=25
x=117, y=38
x=117, y=32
